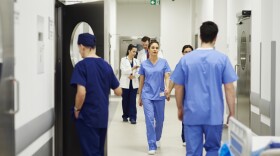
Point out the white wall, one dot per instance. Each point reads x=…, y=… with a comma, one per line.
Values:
x=138, y=19
x=175, y=29
x=255, y=46
x=36, y=92
x=276, y=37
x=266, y=32
x=110, y=15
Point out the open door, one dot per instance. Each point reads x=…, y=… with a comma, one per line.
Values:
x=68, y=19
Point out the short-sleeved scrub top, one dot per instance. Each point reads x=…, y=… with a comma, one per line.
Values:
x=153, y=88
x=97, y=76
x=202, y=72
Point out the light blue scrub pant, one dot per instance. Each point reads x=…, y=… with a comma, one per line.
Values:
x=154, y=117
x=194, y=139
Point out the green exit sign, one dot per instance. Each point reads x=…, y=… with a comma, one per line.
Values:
x=154, y=2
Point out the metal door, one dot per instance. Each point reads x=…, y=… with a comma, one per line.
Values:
x=243, y=69
x=68, y=17
x=7, y=81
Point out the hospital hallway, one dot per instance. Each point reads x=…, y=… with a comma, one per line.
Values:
x=125, y=139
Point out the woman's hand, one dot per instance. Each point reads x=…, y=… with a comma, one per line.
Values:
x=135, y=67
x=167, y=94
x=131, y=77
x=140, y=102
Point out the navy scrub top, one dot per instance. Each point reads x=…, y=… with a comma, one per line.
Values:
x=98, y=78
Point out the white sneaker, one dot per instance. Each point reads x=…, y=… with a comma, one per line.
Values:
x=158, y=144
x=152, y=152
x=184, y=143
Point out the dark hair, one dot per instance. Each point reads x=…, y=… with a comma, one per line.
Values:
x=130, y=46
x=153, y=41
x=187, y=46
x=208, y=31
x=145, y=38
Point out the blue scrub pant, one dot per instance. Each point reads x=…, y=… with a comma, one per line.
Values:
x=154, y=117
x=194, y=139
x=129, y=103
x=92, y=140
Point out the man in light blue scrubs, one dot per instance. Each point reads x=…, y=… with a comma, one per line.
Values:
x=154, y=80
x=200, y=75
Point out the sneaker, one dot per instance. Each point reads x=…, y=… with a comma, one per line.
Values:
x=152, y=152
x=132, y=121
x=125, y=120
x=158, y=144
x=184, y=143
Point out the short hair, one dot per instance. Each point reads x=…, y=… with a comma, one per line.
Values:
x=145, y=38
x=208, y=31
x=187, y=46
x=130, y=46
x=153, y=41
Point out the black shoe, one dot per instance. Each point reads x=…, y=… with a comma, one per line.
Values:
x=125, y=120
x=132, y=121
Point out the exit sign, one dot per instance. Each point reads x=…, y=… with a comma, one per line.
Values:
x=154, y=2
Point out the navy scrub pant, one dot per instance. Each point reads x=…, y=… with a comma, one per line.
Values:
x=92, y=140
x=194, y=139
x=129, y=103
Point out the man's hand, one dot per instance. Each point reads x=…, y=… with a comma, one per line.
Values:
x=76, y=114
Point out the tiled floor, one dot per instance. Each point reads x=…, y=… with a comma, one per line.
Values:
x=125, y=139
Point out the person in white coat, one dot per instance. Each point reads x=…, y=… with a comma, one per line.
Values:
x=143, y=54
x=129, y=83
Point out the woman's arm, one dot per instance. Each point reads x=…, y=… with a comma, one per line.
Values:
x=141, y=83
x=126, y=70
x=166, y=83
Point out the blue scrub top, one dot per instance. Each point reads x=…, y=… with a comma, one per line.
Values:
x=202, y=72
x=98, y=78
x=154, y=78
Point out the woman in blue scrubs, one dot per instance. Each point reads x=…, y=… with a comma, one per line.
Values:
x=93, y=78
x=129, y=83
x=154, y=80
x=186, y=49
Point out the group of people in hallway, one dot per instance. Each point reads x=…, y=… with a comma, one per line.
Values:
x=197, y=78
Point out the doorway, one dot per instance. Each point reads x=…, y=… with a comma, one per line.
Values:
x=68, y=19
x=243, y=69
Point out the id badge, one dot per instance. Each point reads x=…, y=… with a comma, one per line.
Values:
x=161, y=94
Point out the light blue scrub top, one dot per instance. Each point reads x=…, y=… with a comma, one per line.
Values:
x=202, y=72
x=153, y=88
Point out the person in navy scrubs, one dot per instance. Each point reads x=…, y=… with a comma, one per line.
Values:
x=93, y=78
x=154, y=80
x=198, y=78
x=129, y=83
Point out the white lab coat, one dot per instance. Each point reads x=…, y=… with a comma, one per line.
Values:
x=126, y=71
x=142, y=56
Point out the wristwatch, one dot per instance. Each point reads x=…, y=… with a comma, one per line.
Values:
x=76, y=109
